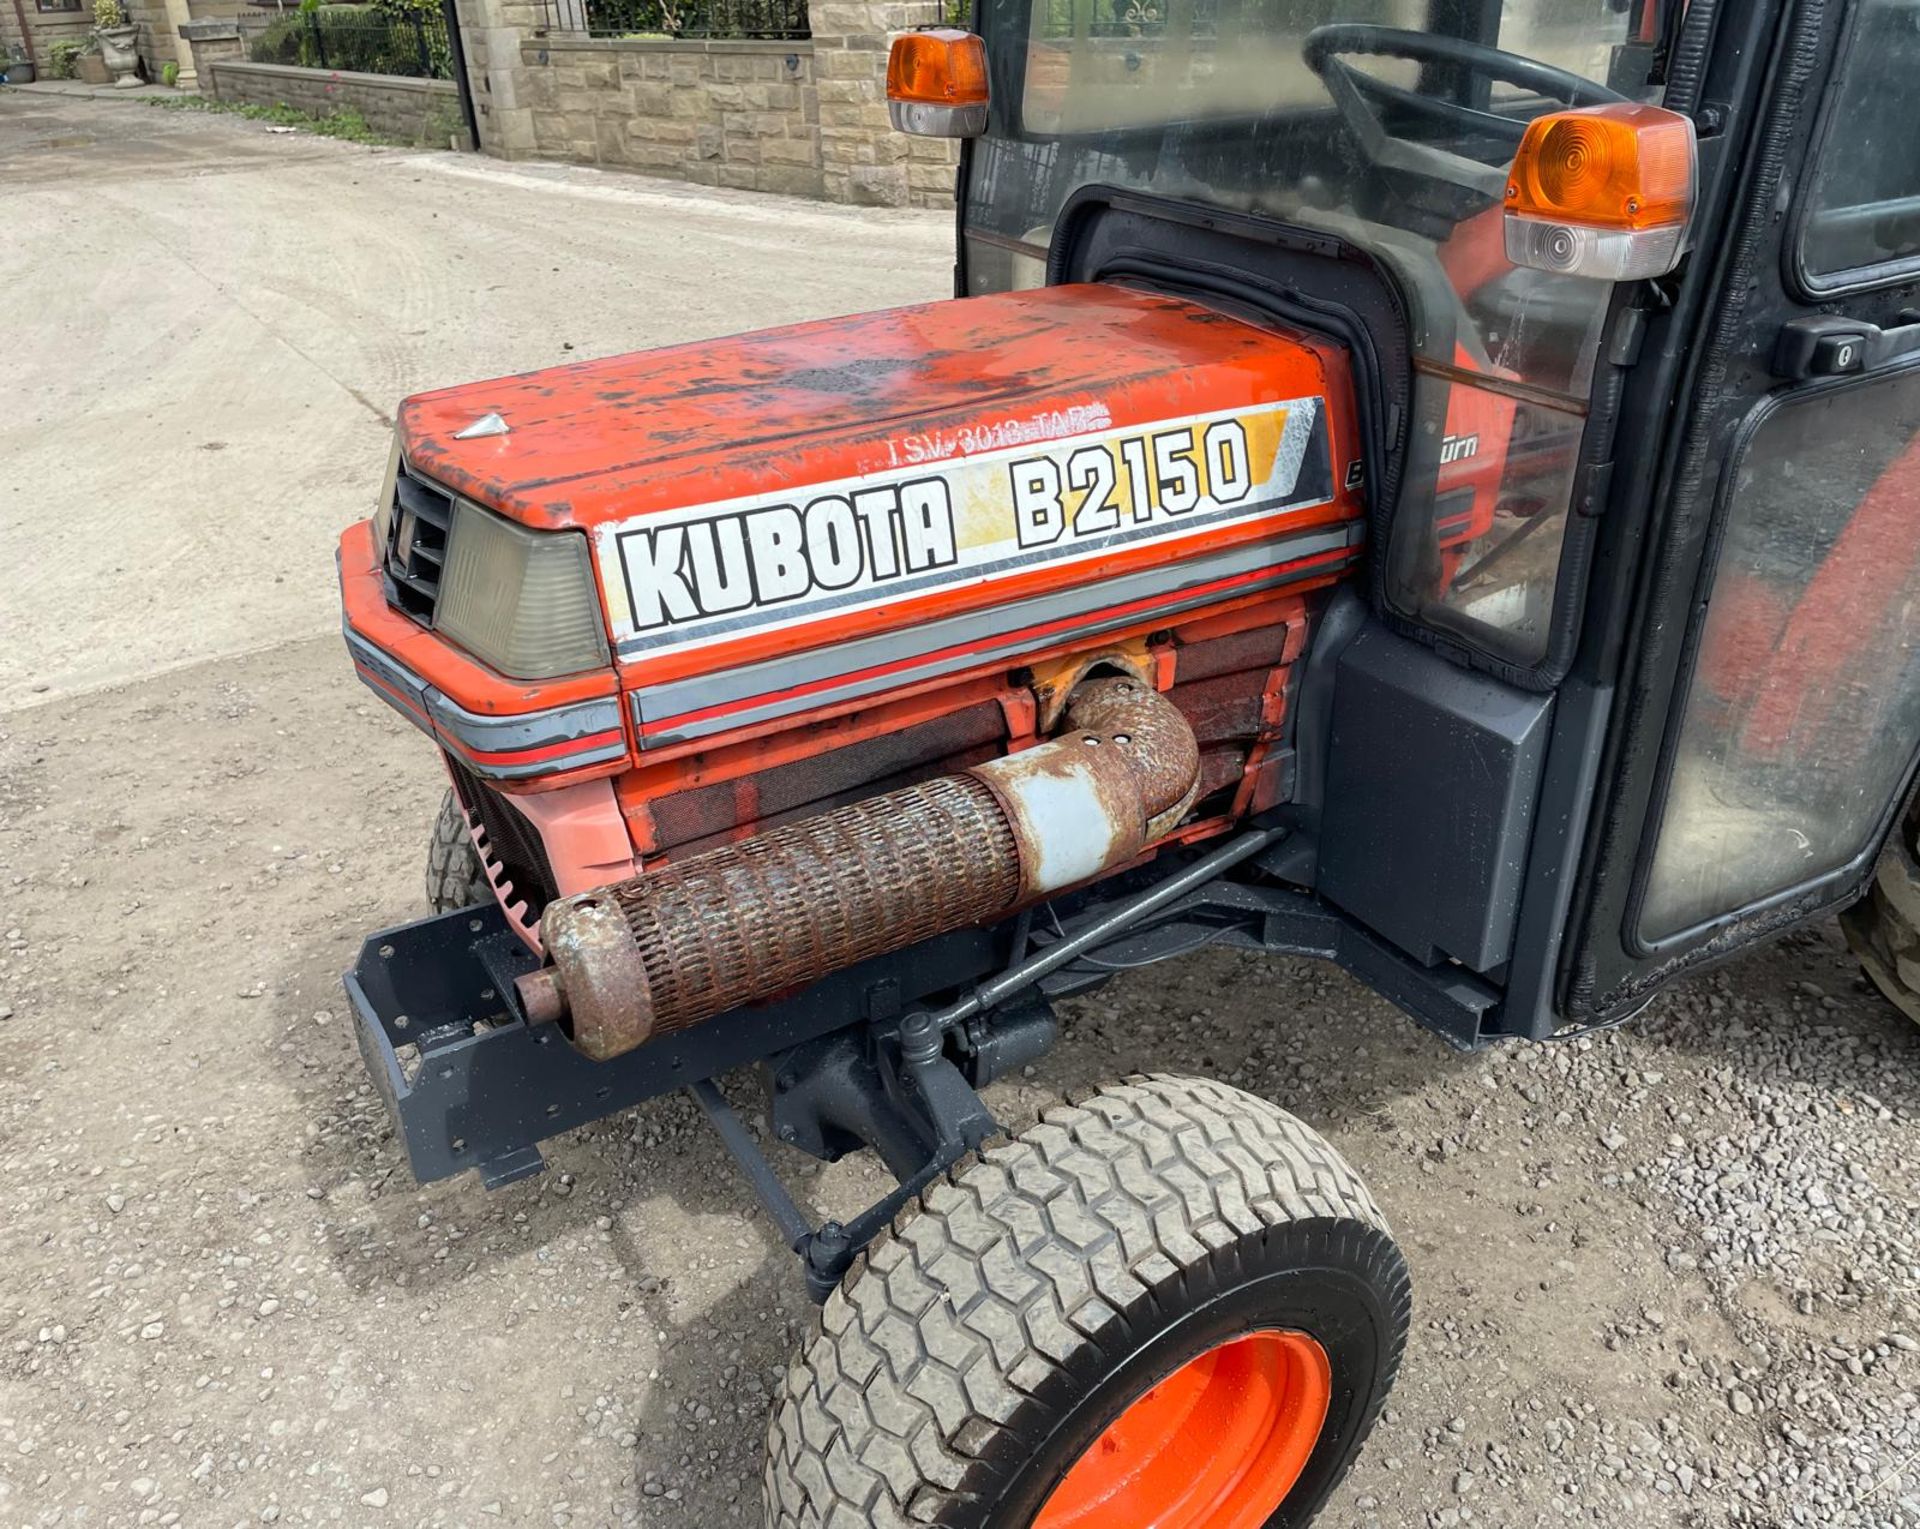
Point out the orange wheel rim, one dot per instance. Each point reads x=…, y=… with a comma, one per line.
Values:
x=1218, y=1444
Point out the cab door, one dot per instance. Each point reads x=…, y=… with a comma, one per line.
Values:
x=1752, y=659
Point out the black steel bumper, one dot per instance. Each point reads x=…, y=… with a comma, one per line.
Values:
x=471, y=1085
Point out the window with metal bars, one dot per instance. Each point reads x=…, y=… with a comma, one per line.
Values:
x=785, y=19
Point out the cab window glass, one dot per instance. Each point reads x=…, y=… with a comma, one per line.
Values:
x=1804, y=709
x=1863, y=207
x=1281, y=109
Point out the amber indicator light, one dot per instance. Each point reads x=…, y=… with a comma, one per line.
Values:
x=943, y=67
x=1617, y=167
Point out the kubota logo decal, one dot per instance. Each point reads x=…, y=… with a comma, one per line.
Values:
x=710, y=571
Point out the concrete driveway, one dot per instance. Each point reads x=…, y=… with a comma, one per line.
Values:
x=208, y=326
x=1669, y=1276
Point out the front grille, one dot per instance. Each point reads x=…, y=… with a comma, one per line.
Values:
x=416, y=550
x=510, y=844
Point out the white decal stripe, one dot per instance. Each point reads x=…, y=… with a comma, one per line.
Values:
x=661, y=711
x=705, y=573
x=454, y=726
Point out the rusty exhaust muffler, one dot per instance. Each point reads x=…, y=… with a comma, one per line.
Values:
x=664, y=951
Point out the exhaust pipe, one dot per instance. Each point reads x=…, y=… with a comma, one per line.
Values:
x=668, y=949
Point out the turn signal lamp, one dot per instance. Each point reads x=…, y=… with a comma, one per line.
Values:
x=937, y=83
x=1603, y=191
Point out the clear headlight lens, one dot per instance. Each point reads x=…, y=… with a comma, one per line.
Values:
x=1606, y=254
x=521, y=600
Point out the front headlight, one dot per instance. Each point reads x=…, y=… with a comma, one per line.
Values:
x=522, y=601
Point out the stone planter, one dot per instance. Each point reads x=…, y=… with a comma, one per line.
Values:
x=19, y=72
x=120, y=51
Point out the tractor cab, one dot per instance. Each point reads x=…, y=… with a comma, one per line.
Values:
x=1392, y=138
x=1680, y=563
x=1424, y=484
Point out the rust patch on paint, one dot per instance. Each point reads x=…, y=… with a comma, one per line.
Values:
x=671, y=948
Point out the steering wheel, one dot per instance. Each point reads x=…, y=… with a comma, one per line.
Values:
x=1434, y=178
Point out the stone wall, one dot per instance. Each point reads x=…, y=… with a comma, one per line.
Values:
x=805, y=118
x=863, y=159
x=205, y=41
x=739, y=114
x=491, y=31
x=411, y=111
x=156, y=22
x=204, y=31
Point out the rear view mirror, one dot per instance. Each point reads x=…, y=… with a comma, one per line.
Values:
x=937, y=83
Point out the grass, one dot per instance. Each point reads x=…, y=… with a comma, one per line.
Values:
x=345, y=123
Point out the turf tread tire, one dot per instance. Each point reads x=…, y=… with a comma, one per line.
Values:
x=455, y=878
x=1016, y=1263
x=1884, y=926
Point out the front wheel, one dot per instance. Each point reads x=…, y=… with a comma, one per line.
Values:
x=1171, y=1304
x=1884, y=926
x=455, y=877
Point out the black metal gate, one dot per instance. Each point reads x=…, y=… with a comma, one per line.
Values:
x=463, y=82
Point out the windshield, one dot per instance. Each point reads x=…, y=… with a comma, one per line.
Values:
x=1390, y=123
x=1096, y=64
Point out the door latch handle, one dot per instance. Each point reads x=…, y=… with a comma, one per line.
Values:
x=1838, y=347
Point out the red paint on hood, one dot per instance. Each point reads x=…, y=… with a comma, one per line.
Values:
x=764, y=412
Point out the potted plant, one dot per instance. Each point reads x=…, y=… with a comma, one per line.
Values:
x=118, y=38
x=63, y=57
x=17, y=67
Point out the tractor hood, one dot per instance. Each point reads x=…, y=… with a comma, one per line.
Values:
x=757, y=414
x=802, y=486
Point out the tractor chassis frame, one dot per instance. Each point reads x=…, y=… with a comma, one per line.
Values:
x=862, y=1059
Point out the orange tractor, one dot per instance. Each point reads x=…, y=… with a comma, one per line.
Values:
x=1428, y=484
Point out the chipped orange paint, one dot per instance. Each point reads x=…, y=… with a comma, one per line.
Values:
x=771, y=414
x=462, y=678
x=768, y=414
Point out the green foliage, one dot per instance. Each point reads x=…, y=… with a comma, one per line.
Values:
x=63, y=57
x=346, y=122
x=697, y=18
x=280, y=42
x=444, y=123
x=108, y=14
x=169, y=74
x=358, y=38
x=431, y=18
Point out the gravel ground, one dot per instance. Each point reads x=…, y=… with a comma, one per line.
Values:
x=1666, y=1276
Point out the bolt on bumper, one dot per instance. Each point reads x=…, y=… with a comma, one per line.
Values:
x=470, y=1083
x=467, y=1083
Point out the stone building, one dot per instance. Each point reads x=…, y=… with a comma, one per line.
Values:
x=38, y=24
x=804, y=114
